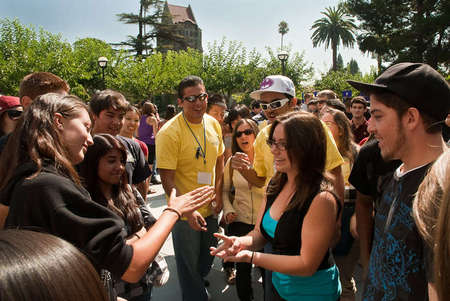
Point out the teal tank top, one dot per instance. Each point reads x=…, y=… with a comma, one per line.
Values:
x=324, y=285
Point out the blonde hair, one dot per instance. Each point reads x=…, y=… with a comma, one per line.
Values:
x=431, y=212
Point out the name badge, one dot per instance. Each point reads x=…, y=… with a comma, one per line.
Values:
x=204, y=178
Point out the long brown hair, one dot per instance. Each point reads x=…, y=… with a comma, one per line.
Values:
x=123, y=202
x=253, y=125
x=306, y=145
x=36, y=138
x=40, y=266
x=347, y=148
x=431, y=212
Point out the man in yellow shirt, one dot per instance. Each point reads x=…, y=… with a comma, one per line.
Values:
x=189, y=152
x=277, y=97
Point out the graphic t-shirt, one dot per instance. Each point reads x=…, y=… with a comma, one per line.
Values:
x=398, y=261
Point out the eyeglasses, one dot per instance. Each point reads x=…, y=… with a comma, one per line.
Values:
x=193, y=98
x=13, y=114
x=280, y=145
x=247, y=132
x=274, y=104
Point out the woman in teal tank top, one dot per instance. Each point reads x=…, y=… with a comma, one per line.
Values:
x=299, y=216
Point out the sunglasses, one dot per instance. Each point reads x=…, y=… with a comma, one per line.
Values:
x=274, y=104
x=247, y=132
x=193, y=98
x=14, y=113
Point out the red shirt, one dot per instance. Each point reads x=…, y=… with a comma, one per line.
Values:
x=360, y=132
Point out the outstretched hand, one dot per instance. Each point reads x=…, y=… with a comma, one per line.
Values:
x=192, y=200
x=230, y=249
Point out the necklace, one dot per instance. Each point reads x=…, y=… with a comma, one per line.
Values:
x=200, y=151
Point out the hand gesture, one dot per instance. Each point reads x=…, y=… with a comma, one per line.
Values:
x=240, y=161
x=230, y=217
x=191, y=201
x=229, y=247
x=196, y=221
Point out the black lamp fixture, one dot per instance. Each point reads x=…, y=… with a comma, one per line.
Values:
x=283, y=57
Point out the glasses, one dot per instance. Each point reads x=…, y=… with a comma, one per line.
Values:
x=14, y=113
x=247, y=132
x=274, y=104
x=193, y=98
x=280, y=145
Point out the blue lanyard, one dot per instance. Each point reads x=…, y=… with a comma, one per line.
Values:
x=202, y=150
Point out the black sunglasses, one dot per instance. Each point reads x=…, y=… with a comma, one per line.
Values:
x=14, y=113
x=193, y=98
x=247, y=132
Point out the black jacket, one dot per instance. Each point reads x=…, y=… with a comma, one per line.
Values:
x=53, y=203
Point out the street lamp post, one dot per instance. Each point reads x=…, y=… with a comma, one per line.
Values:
x=103, y=63
x=283, y=56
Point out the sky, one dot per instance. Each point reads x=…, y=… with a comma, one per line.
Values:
x=252, y=22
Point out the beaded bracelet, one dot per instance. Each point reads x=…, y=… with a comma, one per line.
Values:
x=173, y=210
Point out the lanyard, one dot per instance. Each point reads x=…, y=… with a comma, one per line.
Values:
x=199, y=149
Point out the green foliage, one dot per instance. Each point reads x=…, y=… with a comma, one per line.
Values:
x=332, y=30
x=353, y=67
x=340, y=62
x=150, y=13
x=337, y=81
x=229, y=68
x=398, y=31
x=24, y=50
x=283, y=29
x=226, y=67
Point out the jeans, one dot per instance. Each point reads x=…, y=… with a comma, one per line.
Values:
x=192, y=257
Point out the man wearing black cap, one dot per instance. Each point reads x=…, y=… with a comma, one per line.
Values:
x=409, y=103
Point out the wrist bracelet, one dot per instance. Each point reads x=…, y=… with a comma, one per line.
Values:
x=135, y=234
x=173, y=210
x=251, y=259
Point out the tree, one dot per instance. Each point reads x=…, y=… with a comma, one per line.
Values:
x=150, y=26
x=23, y=50
x=353, y=67
x=340, y=62
x=409, y=30
x=332, y=30
x=86, y=71
x=337, y=81
x=283, y=29
x=228, y=68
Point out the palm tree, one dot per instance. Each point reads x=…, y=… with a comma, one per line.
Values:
x=336, y=27
x=283, y=29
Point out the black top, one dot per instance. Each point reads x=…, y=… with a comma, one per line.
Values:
x=370, y=172
x=136, y=166
x=399, y=260
x=3, y=140
x=287, y=240
x=52, y=203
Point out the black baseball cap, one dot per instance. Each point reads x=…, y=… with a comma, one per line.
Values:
x=418, y=84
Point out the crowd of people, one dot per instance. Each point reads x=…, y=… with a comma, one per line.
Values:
x=302, y=190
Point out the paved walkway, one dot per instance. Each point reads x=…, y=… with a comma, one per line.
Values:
x=219, y=289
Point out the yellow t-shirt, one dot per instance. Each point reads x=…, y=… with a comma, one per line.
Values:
x=263, y=161
x=176, y=149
